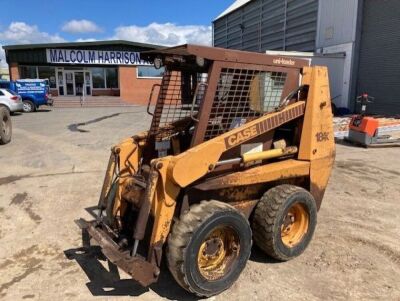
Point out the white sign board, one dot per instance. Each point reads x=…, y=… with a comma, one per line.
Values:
x=94, y=57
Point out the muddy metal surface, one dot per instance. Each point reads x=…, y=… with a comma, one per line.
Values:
x=53, y=170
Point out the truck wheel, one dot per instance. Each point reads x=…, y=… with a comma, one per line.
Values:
x=284, y=221
x=208, y=248
x=5, y=126
x=29, y=106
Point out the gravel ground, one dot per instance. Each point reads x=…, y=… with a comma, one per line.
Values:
x=54, y=167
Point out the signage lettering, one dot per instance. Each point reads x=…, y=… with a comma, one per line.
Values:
x=94, y=57
x=284, y=61
x=244, y=135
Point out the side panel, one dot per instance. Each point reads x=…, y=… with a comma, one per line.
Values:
x=262, y=174
x=317, y=140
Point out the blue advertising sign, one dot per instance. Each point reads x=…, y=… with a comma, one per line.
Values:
x=31, y=86
x=94, y=57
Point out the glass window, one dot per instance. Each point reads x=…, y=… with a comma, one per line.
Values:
x=149, y=71
x=266, y=90
x=112, y=78
x=27, y=72
x=46, y=72
x=98, y=78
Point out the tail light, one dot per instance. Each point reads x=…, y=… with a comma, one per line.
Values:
x=14, y=98
x=46, y=96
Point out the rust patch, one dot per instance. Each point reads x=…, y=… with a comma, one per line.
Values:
x=317, y=193
x=246, y=207
x=19, y=198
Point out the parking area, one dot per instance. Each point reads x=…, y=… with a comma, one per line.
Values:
x=54, y=167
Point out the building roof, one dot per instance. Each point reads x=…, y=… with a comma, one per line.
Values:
x=234, y=6
x=80, y=44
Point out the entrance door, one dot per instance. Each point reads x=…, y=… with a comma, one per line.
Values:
x=88, y=83
x=79, y=83
x=60, y=76
x=69, y=83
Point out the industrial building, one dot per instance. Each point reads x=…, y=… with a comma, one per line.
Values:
x=100, y=68
x=365, y=32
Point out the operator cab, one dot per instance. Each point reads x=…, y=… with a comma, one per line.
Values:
x=192, y=107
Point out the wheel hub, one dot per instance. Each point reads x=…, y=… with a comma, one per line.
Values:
x=294, y=225
x=27, y=106
x=217, y=252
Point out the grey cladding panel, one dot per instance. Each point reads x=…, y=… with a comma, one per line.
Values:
x=379, y=67
x=260, y=25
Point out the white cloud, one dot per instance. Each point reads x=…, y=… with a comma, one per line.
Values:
x=22, y=33
x=165, y=34
x=81, y=26
x=86, y=40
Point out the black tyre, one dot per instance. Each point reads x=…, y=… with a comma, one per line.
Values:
x=208, y=248
x=284, y=221
x=5, y=126
x=29, y=106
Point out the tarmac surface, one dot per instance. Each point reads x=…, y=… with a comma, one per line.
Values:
x=53, y=170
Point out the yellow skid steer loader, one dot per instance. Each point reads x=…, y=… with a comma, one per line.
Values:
x=240, y=149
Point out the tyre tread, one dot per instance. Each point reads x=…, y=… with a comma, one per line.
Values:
x=181, y=235
x=265, y=217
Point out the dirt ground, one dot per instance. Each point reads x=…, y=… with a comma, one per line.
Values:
x=53, y=170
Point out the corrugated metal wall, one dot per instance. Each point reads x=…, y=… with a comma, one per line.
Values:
x=379, y=65
x=337, y=22
x=269, y=25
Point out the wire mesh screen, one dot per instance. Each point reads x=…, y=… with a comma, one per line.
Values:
x=241, y=96
x=175, y=101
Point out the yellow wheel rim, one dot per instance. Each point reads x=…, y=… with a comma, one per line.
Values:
x=217, y=253
x=294, y=225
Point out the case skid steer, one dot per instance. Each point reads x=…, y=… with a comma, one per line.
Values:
x=240, y=149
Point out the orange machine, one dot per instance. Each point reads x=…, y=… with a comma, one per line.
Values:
x=240, y=149
x=367, y=125
x=364, y=130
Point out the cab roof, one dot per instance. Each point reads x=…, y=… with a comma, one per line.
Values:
x=225, y=55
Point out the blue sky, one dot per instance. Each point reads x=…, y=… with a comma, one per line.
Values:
x=168, y=22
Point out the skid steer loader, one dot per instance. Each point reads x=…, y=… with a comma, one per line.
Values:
x=240, y=149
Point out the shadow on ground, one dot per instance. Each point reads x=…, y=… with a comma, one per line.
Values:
x=105, y=282
x=257, y=255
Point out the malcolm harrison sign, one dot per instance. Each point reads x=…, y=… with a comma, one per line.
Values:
x=94, y=57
